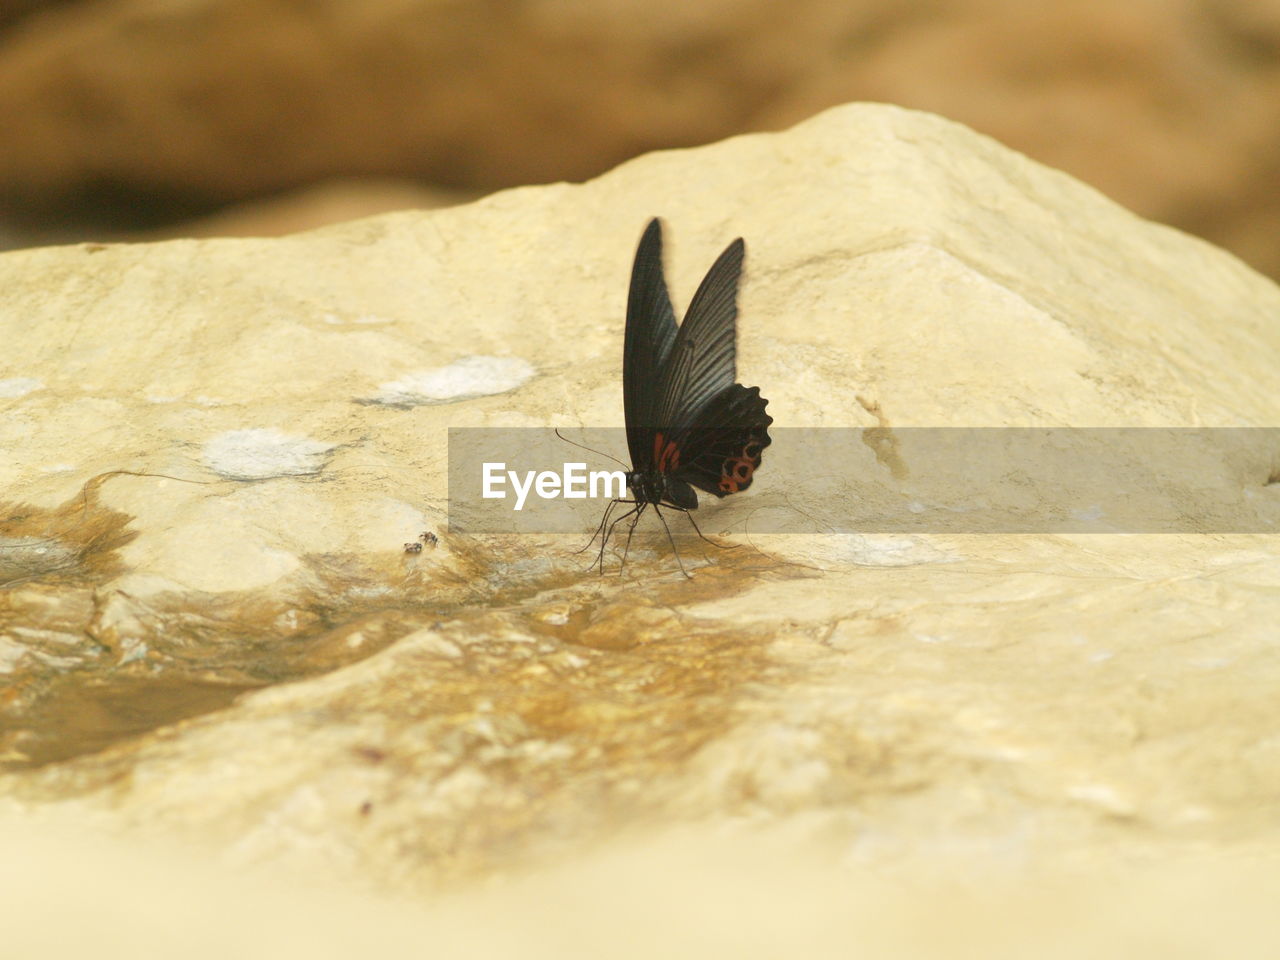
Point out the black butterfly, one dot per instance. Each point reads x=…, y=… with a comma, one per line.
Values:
x=688, y=423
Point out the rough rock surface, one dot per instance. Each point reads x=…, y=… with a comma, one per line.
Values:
x=253, y=662
x=226, y=99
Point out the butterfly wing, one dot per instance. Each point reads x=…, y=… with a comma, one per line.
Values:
x=722, y=449
x=701, y=363
x=651, y=331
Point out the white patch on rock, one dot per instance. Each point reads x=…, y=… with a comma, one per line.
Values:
x=1103, y=796
x=872, y=550
x=19, y=386
x=1087, y=514
x=11, y=654
x=465, y=378
x=365, y=318
x=131, y=649
x=260, y=453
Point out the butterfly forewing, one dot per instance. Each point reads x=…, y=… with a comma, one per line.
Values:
x=651, y=331
x=702, y=362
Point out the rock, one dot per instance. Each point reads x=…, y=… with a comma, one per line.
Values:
x=1118, y=96
x=137, y=900
x=313, y=207
x=681, y=896
x=245, y=655
x=128, y=108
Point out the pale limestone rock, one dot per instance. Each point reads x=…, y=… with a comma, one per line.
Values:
x=888, y=703
x=681, y=895
x=314, y=206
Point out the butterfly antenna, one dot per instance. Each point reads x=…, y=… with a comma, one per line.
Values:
x=598, y=453
x=671, y=540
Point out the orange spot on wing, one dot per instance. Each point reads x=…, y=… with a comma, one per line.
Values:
x=736, y=472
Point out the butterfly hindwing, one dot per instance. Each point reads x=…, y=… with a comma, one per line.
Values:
x=722, y=449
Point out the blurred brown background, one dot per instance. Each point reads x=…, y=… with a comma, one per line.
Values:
x=165, y=117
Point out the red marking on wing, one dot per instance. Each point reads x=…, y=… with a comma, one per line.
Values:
x=665, y=454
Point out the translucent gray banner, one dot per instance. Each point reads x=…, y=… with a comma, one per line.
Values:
x=901, y=480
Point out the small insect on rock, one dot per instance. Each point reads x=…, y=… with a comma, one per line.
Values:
x=689, y=424
x=426, y=538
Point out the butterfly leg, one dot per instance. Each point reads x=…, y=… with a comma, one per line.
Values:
x=604, y=541
x=626, y=551
x=599, y=527
x=706, y=539
x=671, y=540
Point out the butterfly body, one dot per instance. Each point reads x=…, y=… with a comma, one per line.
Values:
x=657, y=488
x=689, y=424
